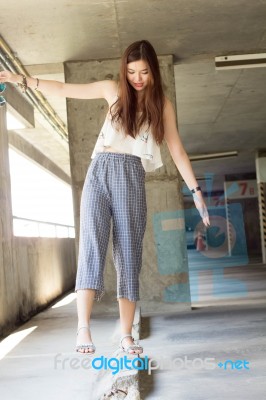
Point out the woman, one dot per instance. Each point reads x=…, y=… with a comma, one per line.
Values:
x=139, y=118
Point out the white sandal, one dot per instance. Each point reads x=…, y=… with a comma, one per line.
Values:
x=89, y=346
x=131, y=347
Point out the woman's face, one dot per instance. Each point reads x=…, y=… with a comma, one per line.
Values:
x=138, y=74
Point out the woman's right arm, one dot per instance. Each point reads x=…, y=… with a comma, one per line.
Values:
x=95, y=90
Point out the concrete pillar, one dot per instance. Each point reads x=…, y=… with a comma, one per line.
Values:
x=163, y=280
x=261, y=180
x=7, y=282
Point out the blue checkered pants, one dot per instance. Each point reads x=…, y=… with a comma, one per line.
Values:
x=114, y=189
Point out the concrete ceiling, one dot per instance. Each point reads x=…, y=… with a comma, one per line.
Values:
x=217, y=110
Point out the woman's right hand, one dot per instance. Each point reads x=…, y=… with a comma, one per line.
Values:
x=7, y=76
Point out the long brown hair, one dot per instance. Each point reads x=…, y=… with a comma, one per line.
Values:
x=125, y=108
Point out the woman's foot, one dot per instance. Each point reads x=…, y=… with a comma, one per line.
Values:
x=84, y=341
x=128, y=345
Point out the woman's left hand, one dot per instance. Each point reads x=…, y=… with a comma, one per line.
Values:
x=201, y=207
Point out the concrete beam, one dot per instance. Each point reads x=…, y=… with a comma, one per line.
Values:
x=124, y=384
x=20, y=144
x=18, y=105
x=45, y=69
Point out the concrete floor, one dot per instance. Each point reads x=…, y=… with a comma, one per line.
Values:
x=219, y=333
x=236, y=285
x=44, y=364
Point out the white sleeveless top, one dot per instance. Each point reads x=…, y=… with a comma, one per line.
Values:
x=143, y=146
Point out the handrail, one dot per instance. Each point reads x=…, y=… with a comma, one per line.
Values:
x=36, y=223
x=42, y=222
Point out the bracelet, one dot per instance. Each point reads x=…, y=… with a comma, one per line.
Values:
x=198, y=188
x=24, y=84
x=37, y=84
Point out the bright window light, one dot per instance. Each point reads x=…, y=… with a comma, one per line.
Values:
x=13, y=123
x=13, y=340
x=66, y=300
x=40, y=196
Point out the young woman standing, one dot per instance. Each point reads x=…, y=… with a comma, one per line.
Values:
x=140, y=116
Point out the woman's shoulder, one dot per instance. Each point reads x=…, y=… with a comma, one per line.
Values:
x=112, y=91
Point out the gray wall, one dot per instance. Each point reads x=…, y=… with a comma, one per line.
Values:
x=42, y=269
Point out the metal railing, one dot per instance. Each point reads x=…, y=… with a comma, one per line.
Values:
x=33, y=228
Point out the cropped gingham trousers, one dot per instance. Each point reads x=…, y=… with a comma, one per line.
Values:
x=114, y=189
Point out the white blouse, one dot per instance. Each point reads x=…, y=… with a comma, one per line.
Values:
x=143, y=146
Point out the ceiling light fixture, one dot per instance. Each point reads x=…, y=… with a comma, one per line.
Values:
x=213, y=156
x=240, y=61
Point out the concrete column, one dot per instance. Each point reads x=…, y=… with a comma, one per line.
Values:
x=7, y=282
x=261, y=180
x=164, y=280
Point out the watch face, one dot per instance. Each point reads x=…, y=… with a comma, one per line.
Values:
x=196, y=189
x=2, y=87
